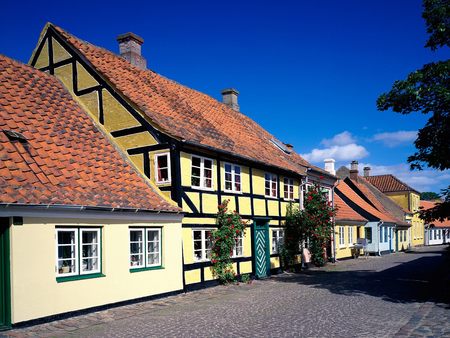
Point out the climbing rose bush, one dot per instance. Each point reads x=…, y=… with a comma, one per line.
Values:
x=229, y=227
x=318, y=215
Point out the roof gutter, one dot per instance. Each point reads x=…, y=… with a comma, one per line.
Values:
x=83, y=211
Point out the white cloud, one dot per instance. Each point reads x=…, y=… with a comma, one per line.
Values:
x=346, y=152
x=424, y=180
x=341, y=139
x=396, y=138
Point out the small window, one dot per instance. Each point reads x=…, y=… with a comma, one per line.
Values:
x=341, y=236
x=288, y=189
x=304, y=188
x=78, y=251
x=145, y=247
x=201, y=172
x=238, y=249
x=326, y=194
x=277, y=240
x=386, y=234
x=232, y=178
x=368, y=234
x=350, y=235
x=271, y=185
x=162, y=168
x=202, y=244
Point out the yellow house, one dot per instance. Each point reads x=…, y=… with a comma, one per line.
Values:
x=407, y=198
x=74, y=234
x=196, y=150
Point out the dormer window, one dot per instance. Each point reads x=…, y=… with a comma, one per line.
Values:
x=162, y=168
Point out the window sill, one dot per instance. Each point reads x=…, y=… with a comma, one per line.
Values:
x=202, y=189
x=78, y=277
x=232, y=192
x=147, y=268
x=271, y=197
x=289, y=200
x=163, y=183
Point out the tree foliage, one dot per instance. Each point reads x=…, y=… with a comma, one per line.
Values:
x=427, y=90
x=429, y=196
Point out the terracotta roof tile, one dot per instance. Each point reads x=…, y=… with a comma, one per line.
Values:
x=389, y=183
x=351, y=194
x=53, y=166
x=345, y=212
x=428, y=205
x=187, y=114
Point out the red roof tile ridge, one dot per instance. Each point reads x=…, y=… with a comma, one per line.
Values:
x=247, y=121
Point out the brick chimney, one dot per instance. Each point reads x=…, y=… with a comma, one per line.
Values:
x=366, y=171
x=354, y=171
x=329, y=166
x=230, y=98
x=130, y=49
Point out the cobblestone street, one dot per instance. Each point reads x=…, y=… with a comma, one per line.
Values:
x=403, y=294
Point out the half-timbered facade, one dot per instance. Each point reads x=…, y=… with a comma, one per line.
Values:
x=196, y=150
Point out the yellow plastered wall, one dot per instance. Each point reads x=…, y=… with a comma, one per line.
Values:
x=42, y=59
x=400, y=198
x=36, y=293
x=345, y=250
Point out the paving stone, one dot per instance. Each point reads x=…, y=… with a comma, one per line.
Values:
x=401, y=295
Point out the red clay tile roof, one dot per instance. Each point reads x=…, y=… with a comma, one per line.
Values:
x=389, y=183
x=346, y=213
x=380, y=213
x=428, y=205
x=187, y=114
x=65, y=159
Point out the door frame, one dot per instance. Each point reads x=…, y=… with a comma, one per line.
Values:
x=5, y=275
x=262, y=224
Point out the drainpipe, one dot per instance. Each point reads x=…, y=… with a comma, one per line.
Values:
x=380, y=223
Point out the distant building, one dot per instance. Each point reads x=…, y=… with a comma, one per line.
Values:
x=406, y=197
x=437, y=232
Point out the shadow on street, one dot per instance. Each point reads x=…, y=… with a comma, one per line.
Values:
x=424, y=279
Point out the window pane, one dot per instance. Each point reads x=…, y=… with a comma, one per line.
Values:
x=197, y=235
x=89, y=264
x=135, y=248
x=196, y=171
x=162, y=161
x=66, y=266
x=137, y=260
x=208, y=183
x=195, y=181
x=228, y=169
x=66, y=252
x=198, y=255
x=163, y=175
x=66, y=237
x=208, y=164
x=238, y=186
x=228, y=185
x=152, y=235
x=228, y=177
x=196, y=161
x=136, y=236
x=208, y=173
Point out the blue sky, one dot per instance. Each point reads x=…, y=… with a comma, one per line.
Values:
x=308, y=71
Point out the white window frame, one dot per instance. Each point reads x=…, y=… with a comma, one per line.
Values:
x=145, y=242
x=289, y=184
x=326, y=190
x=272, y=179
x=202, y=173
x=240, y=239
x=341, y=236
x=304, y=188
x=75, y=258
x=277, y=239
x=203, y=242
x=233, y=177
x=97, y=230
x=350, y=236
x=78, y=252
x=169, y=173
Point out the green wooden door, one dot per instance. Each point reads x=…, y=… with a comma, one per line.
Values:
x=5, y=303
x=261, y=246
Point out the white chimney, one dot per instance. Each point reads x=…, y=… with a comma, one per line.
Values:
x=329, y=166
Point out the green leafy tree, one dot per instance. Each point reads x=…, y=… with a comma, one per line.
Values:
x=427, y=90
x=229, y=227
x=294, y=236
x=429, y=196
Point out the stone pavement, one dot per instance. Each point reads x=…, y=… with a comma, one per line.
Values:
x=403, y=295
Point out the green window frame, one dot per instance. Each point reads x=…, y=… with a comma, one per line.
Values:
x=145, y=248
x=78, y=253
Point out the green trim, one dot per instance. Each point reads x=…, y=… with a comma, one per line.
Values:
x=78, y=277
x=160, y=267
x=5, y=275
